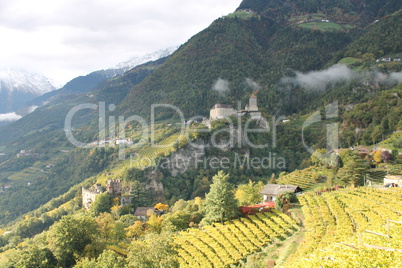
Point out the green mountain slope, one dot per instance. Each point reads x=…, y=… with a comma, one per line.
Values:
x=233, y=49
x=381, y=38
x=365, y=10
x=261, y=48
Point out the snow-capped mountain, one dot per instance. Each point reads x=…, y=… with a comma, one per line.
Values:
x=135, y=61
x=17, y=80
x=18, y=87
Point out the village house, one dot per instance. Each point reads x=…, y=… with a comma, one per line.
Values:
x=393, y=181
x=25, y=153
x=124, y=141
x=270, y=191
x=363, y=152
x=141, y=212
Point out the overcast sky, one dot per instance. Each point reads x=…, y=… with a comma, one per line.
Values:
x=63, y=39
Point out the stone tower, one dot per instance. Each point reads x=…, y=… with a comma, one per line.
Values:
x=252, y=103
x=114, y=187
x=88, y=196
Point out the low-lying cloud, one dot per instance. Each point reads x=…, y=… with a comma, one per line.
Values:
x=221, y=86
x=396, y=76
x=254, y=85
x=320, y=80
x=338, y=74
x=9, y=117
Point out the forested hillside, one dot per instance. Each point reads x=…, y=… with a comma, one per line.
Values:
x=265, y=48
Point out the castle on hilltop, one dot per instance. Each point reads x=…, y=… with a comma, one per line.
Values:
x=88, y=196
x=113, y=188
x=220, y=111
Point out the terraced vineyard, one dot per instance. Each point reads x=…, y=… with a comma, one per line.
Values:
x=233, y=241
x=146, y=157
x=351, y=228
x=377, y=175
x=305, y=179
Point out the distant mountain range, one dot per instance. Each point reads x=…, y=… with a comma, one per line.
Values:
x=18, y=87
x=22, y=92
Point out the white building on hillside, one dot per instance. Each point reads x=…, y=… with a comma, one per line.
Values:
x=220, y=111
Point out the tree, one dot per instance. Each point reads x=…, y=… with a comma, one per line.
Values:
x=177, y=221
x=353, y=170
x=395, y=154
x=116, y=211
x=377, y=156
x=161, y=206
x=220, y=202
x=140, y=196
x=154, y=251
x=108, y=258
x=317, y=158
x=69, y=238
x=127, y=220
x=272, y=180
x=102, y=203
x=249, y=194
x=368, y=59
x=136, y=230
x=106, y=225
x=34, y=257
x=283, y=201
x=180, y=204
x=155, y=223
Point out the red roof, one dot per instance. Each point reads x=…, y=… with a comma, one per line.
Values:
x=253, y=209
x=263, y=205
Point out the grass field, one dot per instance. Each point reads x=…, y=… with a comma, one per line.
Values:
x=241, y=15
x=325, y=26
x=349, y=60
x=26, y=174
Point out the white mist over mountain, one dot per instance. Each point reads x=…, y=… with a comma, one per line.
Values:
x=337, y=75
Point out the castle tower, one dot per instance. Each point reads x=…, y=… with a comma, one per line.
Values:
x=114, y=187
x=252, y=106
x=88, y=196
